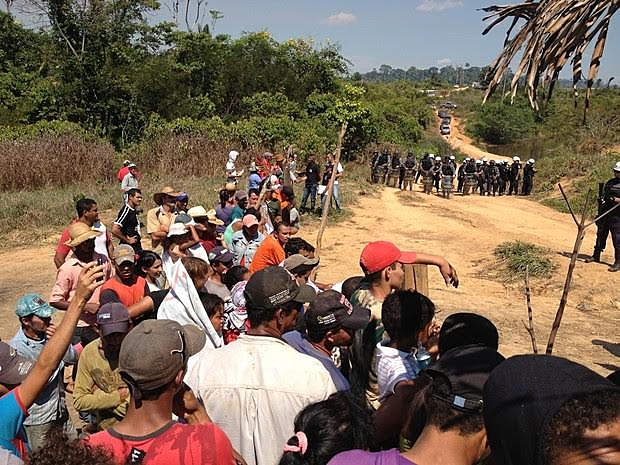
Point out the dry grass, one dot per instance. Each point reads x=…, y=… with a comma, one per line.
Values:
x=34, y=211
x=54, y=161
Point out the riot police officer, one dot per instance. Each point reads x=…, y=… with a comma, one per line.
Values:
x=609, y=223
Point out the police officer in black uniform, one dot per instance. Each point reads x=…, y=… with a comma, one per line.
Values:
x=609, y=223
x=514, y=176
x=528, y=177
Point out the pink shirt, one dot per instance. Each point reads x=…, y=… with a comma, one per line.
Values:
x=66, y=282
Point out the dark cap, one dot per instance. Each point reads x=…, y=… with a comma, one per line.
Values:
x=331, y=310
x=240, y=195
x=272, y=287
x=461, y=329
x=288, y=192
x=153, y=352
x=13, y=367
x=522, y=395
x=220, y=254
x=113, y=318
x=466, y=368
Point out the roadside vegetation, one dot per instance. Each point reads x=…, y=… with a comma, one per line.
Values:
x=515, y=257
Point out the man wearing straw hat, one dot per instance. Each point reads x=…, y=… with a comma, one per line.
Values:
x=82, y=243
x=159, y=219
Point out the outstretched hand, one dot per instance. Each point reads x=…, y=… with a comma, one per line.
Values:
x=449, y=275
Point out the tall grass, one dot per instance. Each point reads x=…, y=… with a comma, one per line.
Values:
x=54, y=161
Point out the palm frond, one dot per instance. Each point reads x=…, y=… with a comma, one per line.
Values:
x=550, y=32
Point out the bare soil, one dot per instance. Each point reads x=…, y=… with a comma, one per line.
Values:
x=463, y=229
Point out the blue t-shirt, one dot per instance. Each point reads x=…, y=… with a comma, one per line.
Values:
x=300, y=344
x=12, y=434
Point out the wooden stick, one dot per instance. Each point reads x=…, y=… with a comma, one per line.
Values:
x=528, y=298
x=603, y=215
x=319, y=235
x=570, y=209
x=581, y=226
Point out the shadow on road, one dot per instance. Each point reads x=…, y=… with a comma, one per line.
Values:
x=611, y=347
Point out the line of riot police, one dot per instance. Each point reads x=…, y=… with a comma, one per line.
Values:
x=486, y=177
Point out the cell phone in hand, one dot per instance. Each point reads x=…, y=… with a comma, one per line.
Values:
x=99, y=263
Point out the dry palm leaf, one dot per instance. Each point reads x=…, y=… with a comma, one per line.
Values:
x=552, y=31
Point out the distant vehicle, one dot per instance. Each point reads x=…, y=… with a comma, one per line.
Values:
x=444, y=129
x=446, y=120
x=443, y=113
x=448, y=105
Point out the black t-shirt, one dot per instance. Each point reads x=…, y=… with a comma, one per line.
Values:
x=312, y=173
x=128, y=220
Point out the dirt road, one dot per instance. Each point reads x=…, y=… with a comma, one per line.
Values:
x=465, y=230
x=462, y=142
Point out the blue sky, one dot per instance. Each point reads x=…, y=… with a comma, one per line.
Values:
x=399, y=33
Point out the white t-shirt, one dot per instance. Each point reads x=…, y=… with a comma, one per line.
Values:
x=339, y=169
x=101, y=241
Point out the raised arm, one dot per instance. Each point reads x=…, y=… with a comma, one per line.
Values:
x=56, y=347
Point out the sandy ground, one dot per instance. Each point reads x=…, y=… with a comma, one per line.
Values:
x=463, y=229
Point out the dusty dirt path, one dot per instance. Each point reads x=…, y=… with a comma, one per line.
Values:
x=465, y=230
x=460, y=141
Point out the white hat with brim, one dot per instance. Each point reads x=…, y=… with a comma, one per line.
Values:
x=177, y=229
x=617, y=166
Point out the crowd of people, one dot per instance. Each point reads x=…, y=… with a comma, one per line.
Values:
x=210, y=342
x=487, y=177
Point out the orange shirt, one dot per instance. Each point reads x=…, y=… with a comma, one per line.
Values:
x=269, y=253
x=128, y=295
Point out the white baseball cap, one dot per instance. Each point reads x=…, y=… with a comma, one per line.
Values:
x=531, y=161
x=617, y=167
x=516, y=159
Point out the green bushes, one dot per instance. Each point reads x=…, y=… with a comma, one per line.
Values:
x=499, y=122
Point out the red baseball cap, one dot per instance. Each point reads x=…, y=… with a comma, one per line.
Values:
x=381, y=254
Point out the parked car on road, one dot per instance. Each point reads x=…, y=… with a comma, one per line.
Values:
x=448, y=105
x=444, y=129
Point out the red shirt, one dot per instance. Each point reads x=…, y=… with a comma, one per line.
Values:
x=121, y=173
x=209, y=244
x=128, y=295
x=175, y=443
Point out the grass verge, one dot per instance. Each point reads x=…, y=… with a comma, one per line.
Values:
x=39, y=216
x=516, y=256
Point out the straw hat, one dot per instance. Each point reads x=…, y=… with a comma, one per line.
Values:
x=80, y=232
x=158, y=197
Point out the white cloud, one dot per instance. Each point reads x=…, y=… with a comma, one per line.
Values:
x=444, y=62
x=340, y=18
x=438, y=5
